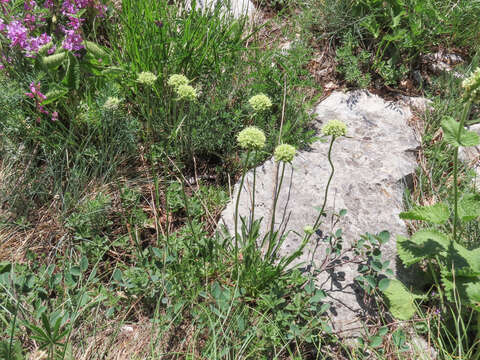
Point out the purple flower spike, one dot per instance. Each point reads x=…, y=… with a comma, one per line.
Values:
x=73, y=41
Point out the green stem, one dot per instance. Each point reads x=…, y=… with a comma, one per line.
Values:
x=253, y=193
x=188, y=215
x=477, y=339
x=274, y=207
x=456, y=224
x=149, y=117
x=455, y=189
x=332, y=167
x=237, y=204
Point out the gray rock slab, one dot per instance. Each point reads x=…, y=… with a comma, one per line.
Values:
x=471, y=156
x=373, y=164
x=237, y=8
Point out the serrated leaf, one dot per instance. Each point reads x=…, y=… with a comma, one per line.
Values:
x=53, y=61
x=425, y=243
x=437, y=214
x=54, y=95
x=95, y=49
x=401, y=302
x=473, y=294
x=72, y=76
x=469, y=207
x=450, y=131
x=467, y=289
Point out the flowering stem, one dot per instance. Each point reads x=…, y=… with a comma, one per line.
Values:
x=253, y=193
x=274, y=207
x=149, y=115
x=332, y=167
x=237, y=204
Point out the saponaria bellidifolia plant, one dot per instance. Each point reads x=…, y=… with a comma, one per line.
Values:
x=252, y=139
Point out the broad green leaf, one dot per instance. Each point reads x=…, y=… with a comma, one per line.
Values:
x=425, y=243
x=466, y=262
x=468, y=289
x=422, y=237
x=461, y=274
x=450, y=131
x=473, y=294
x=401, y=302
x=437, y=214
x=469, y=207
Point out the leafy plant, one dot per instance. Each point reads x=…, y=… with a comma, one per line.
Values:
x=459, y=268
x=352, y=66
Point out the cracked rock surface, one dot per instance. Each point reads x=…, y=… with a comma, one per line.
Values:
x=373, y=165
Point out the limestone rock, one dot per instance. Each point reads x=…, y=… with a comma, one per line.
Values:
x=440, y=62
x=372, y=166
x=237, y=8
x=417, y=103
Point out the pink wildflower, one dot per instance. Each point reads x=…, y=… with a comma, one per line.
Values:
x=29, y=5
x=17, y=34
x=73, y=41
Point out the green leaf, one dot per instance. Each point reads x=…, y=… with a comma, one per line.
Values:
x=95, y=49
x=54, y=61
x=84, y=264
x=72, y=75
x=376, y=341
x=461, y=274
x=437, y=214
x=54, y=95
x=75, y=271
x=450, y=131
x=117, y=275
x=473, y=294
x=401, y=302
x=467, y=289
x=383, y=284
x=425, y=243
x=469, y=207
